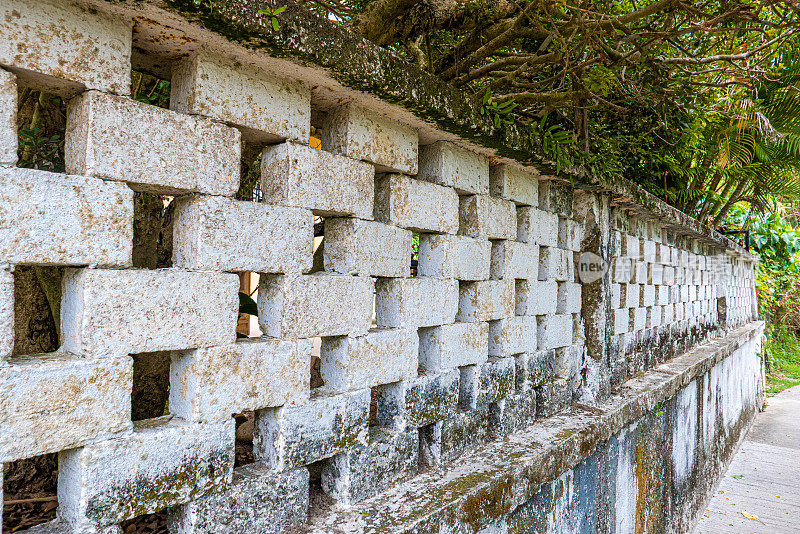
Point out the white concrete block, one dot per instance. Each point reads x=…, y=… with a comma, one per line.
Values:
x=52, y=402
x=569, y=298
x=55, y=219
x=446, y=164
x=632, y=295
x=153, y=149
x=213, y=383
x=570, y=234
x=454, y=256
x=654, y=317
x=514, y=184
x=669, y=275
x=556, y=264
x=616, y=296
x=370, y=248
x=362, y=134
x=78, y=46
x=415, y=302
x=299, y=435
x=258, y=501
x=453, y=345
x=632, y=247
x=648, y=295
x=662, y=295
x=163, y=463
x=622, y=270
x=221, y=234
x=512, y=335
x=515, y=260
x=639, y=318
x=485, y=301
x=655, y=273
x=295, y=174
x=8, y=118
x=487, y=217
x=321, y=304
x=382, y=356
x=555, y=331
x=622, y=318
x=537, y=226
x=536, y=297
x=416, y=205
x=108, y=312
x=269, y=108
x=6, y=314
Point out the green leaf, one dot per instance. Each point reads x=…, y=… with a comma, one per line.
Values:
x=247, y=305
x=274, y=24
x=279, y=10
x=737, y=476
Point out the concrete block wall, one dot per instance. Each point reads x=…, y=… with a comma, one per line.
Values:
x=484, y=337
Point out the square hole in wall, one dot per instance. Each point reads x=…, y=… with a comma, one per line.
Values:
x=37, y=309
x=247, y=324
x=150, y=392
x=153, y=217
x=318, y=499
x=430, y=446
x=316, y=364
x=41, y=128
x=155, y=523
x=414, y=254
x=150, y=88
x=250, y=178
x=29, y=492
x=245, y=424
x=373, y=407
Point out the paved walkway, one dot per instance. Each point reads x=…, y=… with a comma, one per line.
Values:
x=760, y=493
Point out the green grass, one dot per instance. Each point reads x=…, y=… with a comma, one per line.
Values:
x=784, y=355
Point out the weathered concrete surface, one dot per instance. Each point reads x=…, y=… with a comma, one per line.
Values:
x=499, y=482
x=258, y=501
x=153, y=149
x=294, y=174
x=382, y=356
x=213, y=383
x=6, y=315
x=416, y=205
x=321, y=304
x=61, y=41
x=762, y=479
x=451, y=256
x=369, y=248
x=331, y=423
x=453, y=345
x=358, y=133
x=444, y=163
x=220, y=234
x=175, y=310
x=267, y=107
x=8, y=118
x=54, y=219
x=163, y=463
x=419, y=302
x=514, y=184
x=487, y=217
x=52, y=402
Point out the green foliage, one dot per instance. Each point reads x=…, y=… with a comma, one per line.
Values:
x=783, y=351
x=500, y=112
x=272, y=15
x=41, y=151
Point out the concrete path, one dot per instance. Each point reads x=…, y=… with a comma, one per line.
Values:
x=760, y=493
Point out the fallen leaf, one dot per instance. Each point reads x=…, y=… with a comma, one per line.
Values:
x=737, y=476
x=750, y=516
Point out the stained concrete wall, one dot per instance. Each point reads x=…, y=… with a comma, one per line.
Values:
x=552, y=365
